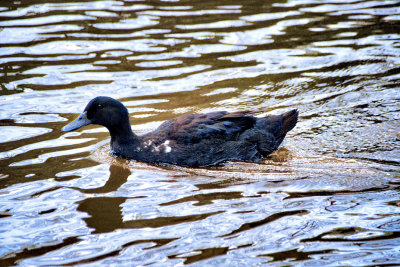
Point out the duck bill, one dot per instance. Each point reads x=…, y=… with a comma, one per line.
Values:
x=81, y=121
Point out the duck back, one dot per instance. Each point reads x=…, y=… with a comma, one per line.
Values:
x=209, y=139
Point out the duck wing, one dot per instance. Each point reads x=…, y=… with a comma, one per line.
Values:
x=193, y=128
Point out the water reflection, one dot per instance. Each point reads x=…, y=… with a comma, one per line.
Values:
x=328, y=196
x=118, y=176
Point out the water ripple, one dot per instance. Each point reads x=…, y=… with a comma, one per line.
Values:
x=328, y=196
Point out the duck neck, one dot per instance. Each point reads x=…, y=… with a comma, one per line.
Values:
x=123, y=138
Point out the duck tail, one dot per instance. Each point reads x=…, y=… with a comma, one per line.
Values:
x=289, y=120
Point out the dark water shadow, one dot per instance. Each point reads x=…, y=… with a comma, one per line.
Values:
x=105, y=213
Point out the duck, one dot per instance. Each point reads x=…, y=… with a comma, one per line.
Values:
x=192, y=140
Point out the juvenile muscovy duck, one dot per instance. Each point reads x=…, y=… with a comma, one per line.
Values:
x=194, y=140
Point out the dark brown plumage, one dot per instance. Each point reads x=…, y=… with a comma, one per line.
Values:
x=190, y=140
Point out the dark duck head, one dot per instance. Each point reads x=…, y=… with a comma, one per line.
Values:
x=190, y=140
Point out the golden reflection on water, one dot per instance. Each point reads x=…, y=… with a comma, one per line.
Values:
x=329, y=195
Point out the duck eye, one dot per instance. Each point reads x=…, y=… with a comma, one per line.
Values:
x=99, y=106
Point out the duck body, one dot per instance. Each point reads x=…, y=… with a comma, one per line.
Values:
x=194, y=140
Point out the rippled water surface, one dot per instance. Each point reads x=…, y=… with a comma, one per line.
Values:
x=329, y=196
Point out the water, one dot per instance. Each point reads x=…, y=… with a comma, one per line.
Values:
x=328, y=196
